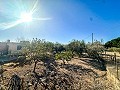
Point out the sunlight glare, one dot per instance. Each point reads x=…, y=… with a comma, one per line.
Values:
x=26, y=17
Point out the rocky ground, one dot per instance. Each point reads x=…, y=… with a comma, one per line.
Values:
x=77, y=74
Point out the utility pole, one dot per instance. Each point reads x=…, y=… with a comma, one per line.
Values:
x=102, y=41
x=92, y=38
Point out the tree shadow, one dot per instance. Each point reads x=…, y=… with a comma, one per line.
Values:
x=97, y=64
x=80, y=69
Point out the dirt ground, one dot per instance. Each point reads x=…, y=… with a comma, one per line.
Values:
x=77, y=74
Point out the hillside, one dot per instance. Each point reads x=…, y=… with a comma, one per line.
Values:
x=78, y=74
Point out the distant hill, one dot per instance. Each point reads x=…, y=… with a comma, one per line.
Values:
x=113, y=43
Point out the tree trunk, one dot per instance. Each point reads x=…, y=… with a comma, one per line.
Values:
x=63, y=61
x=14, y=83
x=35, y=65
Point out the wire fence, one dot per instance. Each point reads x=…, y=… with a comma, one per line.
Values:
x=113, y=62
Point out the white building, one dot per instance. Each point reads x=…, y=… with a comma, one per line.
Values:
x=9, y=46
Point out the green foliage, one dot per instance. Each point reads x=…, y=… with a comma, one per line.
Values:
x=113, y=43
x=94, y=49
x=76, y=46
x=15, y=53
x=65, y=55
x=41, y=50
x=21, y=58
x=38, y=50
x=97, y=46
x=58, y=48
x=49, y=46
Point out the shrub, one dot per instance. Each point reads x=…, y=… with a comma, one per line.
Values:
x=64, y=56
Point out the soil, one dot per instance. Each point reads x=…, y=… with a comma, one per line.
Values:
x=77, y=74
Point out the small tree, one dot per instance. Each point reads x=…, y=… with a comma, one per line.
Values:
x=95, y=48
x=77, y=47
x=94, y=51
x=38, y=50
x=64, y=56
x=58, y=48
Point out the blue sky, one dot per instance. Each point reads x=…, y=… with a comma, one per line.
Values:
x=70, y=19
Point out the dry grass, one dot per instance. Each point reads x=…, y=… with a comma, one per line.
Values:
x=112, y=53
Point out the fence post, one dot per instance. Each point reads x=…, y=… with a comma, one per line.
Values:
x=115, y=58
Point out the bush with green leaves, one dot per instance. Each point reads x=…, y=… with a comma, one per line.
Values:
x=58, y=48
x=38, y=50
x=113, y=43
x=21, y=60
x=76, y=46
x=64, y=56
x=93, y=49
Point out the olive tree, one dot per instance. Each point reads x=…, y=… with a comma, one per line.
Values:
x=76, y=47
x=94, y=50
x=58, y=48
x=38, y=50
x=64, y=56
